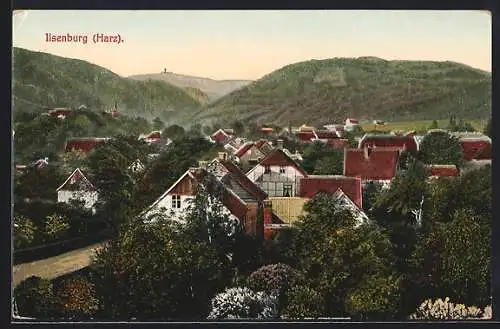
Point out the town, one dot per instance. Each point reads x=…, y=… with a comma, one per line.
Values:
x=272, y=200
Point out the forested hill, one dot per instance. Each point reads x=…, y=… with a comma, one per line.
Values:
x=42, y=80
x=325, y=91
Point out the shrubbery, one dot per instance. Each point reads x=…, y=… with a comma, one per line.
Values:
x=445, y=310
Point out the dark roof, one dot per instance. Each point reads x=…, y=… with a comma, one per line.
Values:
x=444, y=170
x=371, y=164
x=476, y=148
x=244, y=149
x=83, y=144
x=243, y=180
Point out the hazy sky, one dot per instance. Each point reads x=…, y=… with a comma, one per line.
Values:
x=250, y=44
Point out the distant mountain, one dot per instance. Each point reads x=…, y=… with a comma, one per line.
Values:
x=326, y=91
x=213, y=88
x=43, y=80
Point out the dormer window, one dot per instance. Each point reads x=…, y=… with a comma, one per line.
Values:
x=282, y=170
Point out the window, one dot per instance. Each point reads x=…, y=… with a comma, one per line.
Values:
x=282, y=170
x=176, y=201
x=287, y=190
x=267, y=169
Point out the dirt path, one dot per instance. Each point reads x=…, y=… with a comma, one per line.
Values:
x=56, y=266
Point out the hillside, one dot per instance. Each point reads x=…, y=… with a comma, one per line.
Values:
x=197, y=94
x=213, y=88
x=43, y=80
x=325, y=91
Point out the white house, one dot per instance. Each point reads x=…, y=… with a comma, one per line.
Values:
x=277, y=175
x=350, y=124
x=78, y=187
x=137, y=166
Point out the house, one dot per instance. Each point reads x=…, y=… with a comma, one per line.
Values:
x=250, y=153
x=294, y=156
x=177, y=200
x=277, y=174
x=351, y=124
x=267, y=131
x=338, y=143
x=83, y=144
x=326, y=135
x=113, y=113
x=306, y=136
x=335, y=127
x=222, y=135
x=476, y=147
x=371, y=164
x=60, y=112
x=265, y=147
x=443, y=171
x=152, y=137
x=402, y=142
x=78, y=187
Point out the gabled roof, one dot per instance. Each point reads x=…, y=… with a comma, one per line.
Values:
x=338, y=142
x=476, y=148
x=314, y=184
x=244, y=149
x=279, y=158
x=243, y=180
x=371, y=164
x=444, y=170
x=387, y=140
x=264, y=146
x=359, y=214
x=76, y=176
x=83, y=144
x=327, y=134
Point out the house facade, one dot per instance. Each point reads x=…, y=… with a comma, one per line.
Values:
x=78, y=187
x=277, y=175
x=222, y=135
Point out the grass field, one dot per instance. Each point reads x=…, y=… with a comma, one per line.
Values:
x=418, y=126
x=54, y=267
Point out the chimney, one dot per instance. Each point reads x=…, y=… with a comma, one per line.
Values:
x=279, y=144
x=268, y=215
x=222, y=156
x=367, y=150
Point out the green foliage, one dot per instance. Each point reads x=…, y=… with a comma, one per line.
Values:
x=330, y=90
x=56, y=227
x=304, y=302
x=336, y=257
x=174, y=132
x=158, y=124
x=77, y=298
x=35, y=298
x=440, y=147
x=24, y=231
x=321, y=159
x=36, y=84
x=434, y=125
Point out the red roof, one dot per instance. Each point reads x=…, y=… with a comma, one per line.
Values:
x=444, y=170
x=76, y=181
x=260, y=143
x=244, y=149
x=371, y=164
x=279, y=158
x=312, y=185
x=267, y=129
x=154, y=135
x=476, y=148
x=353, y=120
x=399, y=141
x=305, y=136
x=326, y=134
x=59, y=111
x=244, y=181
x=338, y=142
x=84, y=145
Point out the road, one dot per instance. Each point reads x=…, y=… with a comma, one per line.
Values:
x=53, y=267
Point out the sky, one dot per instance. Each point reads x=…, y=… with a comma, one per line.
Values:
x=248, y=44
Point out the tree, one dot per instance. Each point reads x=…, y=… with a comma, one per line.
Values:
x=158, y=124
x=55, y=227
x=487, y=129
x=452, y=125
x=174, y=132
x=35, y=298
x=434, y=125
x=336, y=256
x=321, y=159
x=24, y=231
x=238, y=127
x=77, y=298
x=440, y=148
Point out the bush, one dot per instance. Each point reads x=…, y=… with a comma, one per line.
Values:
x=35, y=298
x=241, y=303
x=273, y=279
x=444, y=310
x=56, y=227
x=77, y=298
x=24, y=231
x=304, y=302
